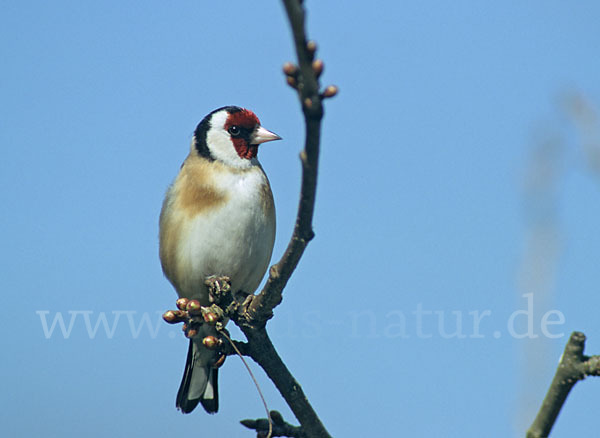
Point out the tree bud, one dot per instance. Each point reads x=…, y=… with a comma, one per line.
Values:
x=211, y=318
x=170, y=317
x=330, y=91
x=193, y=306
x=220, y=361
x=182, y=303
x=290, y=69
x=210, y=342
x=318, y=66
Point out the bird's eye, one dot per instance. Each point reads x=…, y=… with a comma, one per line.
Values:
x=235, y=130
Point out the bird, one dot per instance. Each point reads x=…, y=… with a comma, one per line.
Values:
x=217, y=219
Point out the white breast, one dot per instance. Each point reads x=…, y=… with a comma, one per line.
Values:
x=235, y=239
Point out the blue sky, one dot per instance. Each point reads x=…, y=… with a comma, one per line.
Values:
x=422, y=212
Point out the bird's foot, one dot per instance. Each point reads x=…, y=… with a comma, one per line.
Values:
x=246, y=303
x=222, y=296
x=218, y=288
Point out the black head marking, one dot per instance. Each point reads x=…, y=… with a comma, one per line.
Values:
x=204, y=126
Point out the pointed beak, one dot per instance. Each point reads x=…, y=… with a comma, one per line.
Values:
x=262, y=135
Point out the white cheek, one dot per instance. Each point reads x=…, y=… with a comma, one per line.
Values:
x=220, y=144
x=221, y=147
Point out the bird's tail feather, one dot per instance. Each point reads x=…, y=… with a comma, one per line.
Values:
x=200, y=380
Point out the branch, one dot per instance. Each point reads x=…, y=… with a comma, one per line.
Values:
x=230, y=305
x=305, y=79
x=573, y=366
x=280, y=427
x=256, y=310
x=261, y=349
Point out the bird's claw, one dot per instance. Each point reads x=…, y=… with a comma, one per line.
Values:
x=217, y=287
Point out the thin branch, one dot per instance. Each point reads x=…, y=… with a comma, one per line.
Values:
x=573, y=367
x=262, y=397
x=280, y=427
x=261, y=349
x=305, y=79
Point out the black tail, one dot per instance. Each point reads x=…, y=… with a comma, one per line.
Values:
x=200, y=381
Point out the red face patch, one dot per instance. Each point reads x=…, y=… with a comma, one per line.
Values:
x=246, y=121
x=245, y=150
x=244, y=118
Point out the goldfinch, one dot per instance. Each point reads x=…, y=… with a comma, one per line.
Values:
x=218, y=218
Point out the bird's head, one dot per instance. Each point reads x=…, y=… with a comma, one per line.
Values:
x=231, y=135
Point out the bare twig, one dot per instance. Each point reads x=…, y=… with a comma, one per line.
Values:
x=261, y=349
x=573, y=366
x=280, y=427
x=262, y=397
x=305, y=80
